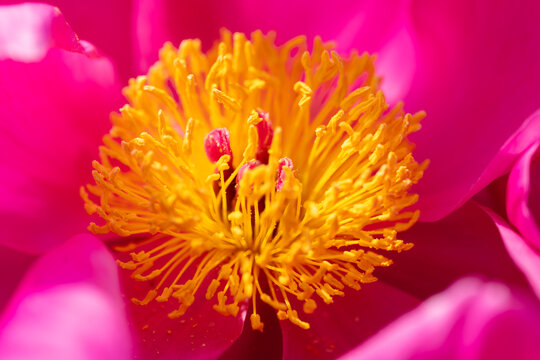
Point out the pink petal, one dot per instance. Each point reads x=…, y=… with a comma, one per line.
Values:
x=68, y=307
x=54, y=113
x=519, y=186
x=465, y=242
x=201, y=333
x=526, y=258
x=470, y=320
x=367, y=24
x=396, y=63
x=337, y=328
x=467, y=60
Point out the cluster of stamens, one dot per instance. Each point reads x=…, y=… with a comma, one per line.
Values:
x=319, y=179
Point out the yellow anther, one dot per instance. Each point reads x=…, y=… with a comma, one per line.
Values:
x=324, y=296
x=188, y=137
x=305, y=91
x=254, y=118
x=223, y=163
x=256, y=323
x=282, y=315
x=292, y=315
x=165, y=295
x=149, y=297
x=236, y=217
x=212, y=289
x=225, y=99
x=309, y=306
x=212, y=178
x=251, y=148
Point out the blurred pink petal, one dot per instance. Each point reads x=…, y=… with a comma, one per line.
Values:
x=465, y=242
x=68, y=306
x=337, y=328
x=534, y=190
x=54, y=109
x=518, y=191
x=477, y=83
x=28, y=31
x=526, y=258
x=106, y=24
x=364, y=25
x=470, y=320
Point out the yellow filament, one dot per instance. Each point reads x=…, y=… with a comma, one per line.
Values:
x=345, y=197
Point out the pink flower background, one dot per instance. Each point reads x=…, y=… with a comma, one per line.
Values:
x=470, y=287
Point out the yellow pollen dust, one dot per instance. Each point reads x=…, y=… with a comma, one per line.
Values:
x=208, y=236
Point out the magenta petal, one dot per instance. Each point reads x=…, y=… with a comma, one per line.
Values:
x=468, y=57
x=54, y=112
x=338, y=327
x=470, y=320
x=517, y=198
x=68, y=307
x=526, y=258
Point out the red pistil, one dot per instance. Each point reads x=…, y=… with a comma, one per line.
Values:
x=217, y=143
x=283, y=163
x=266, y=134
x=247, y=166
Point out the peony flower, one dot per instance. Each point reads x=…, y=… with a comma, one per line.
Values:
x=70, y=87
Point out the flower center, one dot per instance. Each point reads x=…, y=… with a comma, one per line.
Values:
x=319, y=180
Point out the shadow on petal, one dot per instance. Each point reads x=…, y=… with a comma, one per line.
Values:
x=526, y=258
x=466, y=242
x=520, y=184
x=338, y=327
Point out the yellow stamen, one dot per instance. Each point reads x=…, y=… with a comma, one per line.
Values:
x=342, y=196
